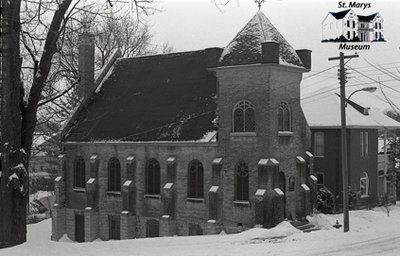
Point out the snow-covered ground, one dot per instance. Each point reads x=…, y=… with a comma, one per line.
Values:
x=371, y=233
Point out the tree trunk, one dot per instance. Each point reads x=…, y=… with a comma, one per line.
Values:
x=17, y=120
x=14, y=179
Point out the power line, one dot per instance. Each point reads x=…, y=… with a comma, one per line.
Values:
x=319, y=72
x=398, y=91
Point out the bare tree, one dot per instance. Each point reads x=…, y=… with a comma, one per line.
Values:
x=40, y=26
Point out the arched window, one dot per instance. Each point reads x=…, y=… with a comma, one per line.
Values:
x=152, y=177
x=284, y=117
x=242, y=182
x=79, y=173
x=244, y=117
x=364, y=184
x=114, y=175
x=195, y=179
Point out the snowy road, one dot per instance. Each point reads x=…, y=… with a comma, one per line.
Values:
x=371, y=233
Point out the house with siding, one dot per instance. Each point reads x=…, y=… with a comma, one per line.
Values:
x=187, y=143
x=352, y=27
x=367, y=170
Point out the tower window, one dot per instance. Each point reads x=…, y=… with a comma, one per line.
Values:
x=284, y=117
x=244, y=117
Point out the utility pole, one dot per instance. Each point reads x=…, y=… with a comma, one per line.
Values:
x=345, y=173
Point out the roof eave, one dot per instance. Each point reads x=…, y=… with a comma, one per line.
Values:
x=143, y=143
x=252, y=65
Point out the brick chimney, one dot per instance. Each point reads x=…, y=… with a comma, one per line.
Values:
x=270, y=52
x=86, y=65
x=305, y=57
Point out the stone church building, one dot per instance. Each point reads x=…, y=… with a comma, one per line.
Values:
x=187, y=143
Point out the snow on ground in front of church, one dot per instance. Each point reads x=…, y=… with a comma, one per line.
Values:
x=371, y=233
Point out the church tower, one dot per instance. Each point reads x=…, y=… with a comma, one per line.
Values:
x=262, y=129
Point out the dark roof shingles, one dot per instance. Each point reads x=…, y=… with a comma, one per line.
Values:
x=155, y=98
x=366, y=18
x=339, y=15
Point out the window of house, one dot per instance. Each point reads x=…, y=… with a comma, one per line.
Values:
x=195, y=179
x=354, y=24
x=319, y=144
x=348, y=34
x=284, y=117
x=364, y=184
x=244, y=117
x=79, y=173
x=320, y=178
x=114, y=227
x=354, y=34
x=364, y=144
x=380, y=35
x=348, y=23
x=376, y=25
x=152, y=177
x=152, y=228
x=376, y=35
x=242, y=182
x=114, y=175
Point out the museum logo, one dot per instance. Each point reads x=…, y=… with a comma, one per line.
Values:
x=347, y=27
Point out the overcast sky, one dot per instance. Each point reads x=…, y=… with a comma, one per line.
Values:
x=198, y=24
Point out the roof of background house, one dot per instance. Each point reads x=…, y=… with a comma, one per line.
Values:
x=366, y=18
x=245, y=48
x=339, y=15
x=324, y=112
x=154, y=98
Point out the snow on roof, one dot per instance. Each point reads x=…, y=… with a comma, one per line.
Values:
x=263, y=161
x=324, y=112
x=245, y=48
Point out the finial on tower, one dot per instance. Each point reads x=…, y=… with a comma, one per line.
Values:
x=259, y=2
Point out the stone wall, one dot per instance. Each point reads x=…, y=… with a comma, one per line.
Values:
x=265, y=86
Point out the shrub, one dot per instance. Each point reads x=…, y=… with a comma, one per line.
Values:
x=325, y=200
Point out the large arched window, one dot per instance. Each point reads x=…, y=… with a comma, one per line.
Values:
x=244, y=117
x=364, y=184
x=195, y=179
x=114, y=175
x=152, y=177
x=79, y=173
x=242, y=182
x=284, y=117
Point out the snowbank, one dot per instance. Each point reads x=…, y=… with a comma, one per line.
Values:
x=284, y=229
x=371, y=233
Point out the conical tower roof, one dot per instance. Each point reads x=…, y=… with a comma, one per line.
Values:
x=245, y=48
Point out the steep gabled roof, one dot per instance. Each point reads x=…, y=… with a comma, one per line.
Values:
x=366, y=18
x=339, y=15
x=154, y=98
x=245, y=48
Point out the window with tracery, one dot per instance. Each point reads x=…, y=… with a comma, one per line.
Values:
x=244, y=117
x=242, y=182
x=284, y=117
